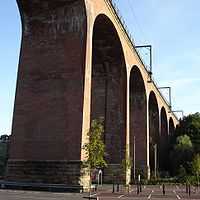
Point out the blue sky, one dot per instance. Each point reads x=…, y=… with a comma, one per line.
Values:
x=171, y=26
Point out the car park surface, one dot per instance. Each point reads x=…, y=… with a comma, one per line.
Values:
x=172, y=192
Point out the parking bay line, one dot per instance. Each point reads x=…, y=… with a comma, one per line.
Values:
x=177, y=187
x=149, y=197
x=177, y=196
x=119, y=197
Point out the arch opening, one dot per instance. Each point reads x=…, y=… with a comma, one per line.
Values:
x=164, y=141
x=153, y=131
x=171, y=127
x=108, y=95
x=138, y=123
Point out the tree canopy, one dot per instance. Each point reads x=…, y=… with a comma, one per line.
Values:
x=185, y=145
x=190, y=125
x=95, y=148
x=196, y=165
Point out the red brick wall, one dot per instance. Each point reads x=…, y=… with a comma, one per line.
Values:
x=47, y=121
x=153, y=128
x=138, y=119
x=109, y=87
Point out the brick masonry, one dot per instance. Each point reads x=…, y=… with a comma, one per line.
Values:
x=75, y=66
x=47, y=121
x=55, y=172
x=109, y=88
x=138, y=113
x=153, y=129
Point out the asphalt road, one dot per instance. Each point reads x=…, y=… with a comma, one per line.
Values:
x=31, y=195
x=148, y=193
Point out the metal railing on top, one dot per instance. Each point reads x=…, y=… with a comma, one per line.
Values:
x=124, y=27
x=121, y=22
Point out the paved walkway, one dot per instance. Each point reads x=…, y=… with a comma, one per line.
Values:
x=148, y=193
x=152, y=193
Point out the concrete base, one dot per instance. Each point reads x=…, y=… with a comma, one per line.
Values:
x=40, y=187
x=53, y=172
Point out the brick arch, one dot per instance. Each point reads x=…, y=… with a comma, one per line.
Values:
x=53, y=101
x=164, y=122
x=171, y=126
x=153, y=128
x=163, y=144
x=138, y=119
x=108, y=90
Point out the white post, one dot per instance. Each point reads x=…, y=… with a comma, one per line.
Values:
x=100, y=177
x=155, y=160
x=139, y=179
x=134, y=174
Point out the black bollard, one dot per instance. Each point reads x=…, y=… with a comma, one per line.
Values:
x=117, y=187
x=140, y=187
x=163, y=186
x=189, y=190
x=138, y=191
x=113, y=190
x=128, y=188
x=186, y=188
x=95, y=188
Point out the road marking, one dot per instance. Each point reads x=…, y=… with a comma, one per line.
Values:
x=120, y=196
x=92, y=195
x=177, y=196
x=149, y=197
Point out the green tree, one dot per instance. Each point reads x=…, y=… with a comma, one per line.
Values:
x=190, y=125
x=196, y=166
x=95, y=148
x=126, y=165
x=181, y=174
x=183, y=143
x=181, y=155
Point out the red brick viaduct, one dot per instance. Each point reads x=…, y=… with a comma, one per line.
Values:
x=77, y=63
